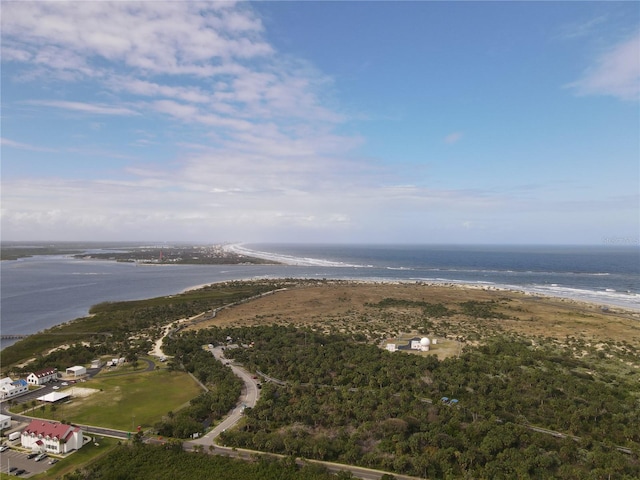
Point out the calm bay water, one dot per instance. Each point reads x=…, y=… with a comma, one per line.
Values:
x=43, y=291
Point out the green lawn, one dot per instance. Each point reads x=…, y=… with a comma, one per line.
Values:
x=85, y=455
x=124, y=402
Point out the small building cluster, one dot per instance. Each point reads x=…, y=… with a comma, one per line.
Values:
x=42, y=436
x=421, y=344
x=115, y=362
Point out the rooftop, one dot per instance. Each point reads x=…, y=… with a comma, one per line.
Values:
x=48, y=429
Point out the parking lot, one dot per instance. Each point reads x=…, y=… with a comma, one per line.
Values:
x=12, y=458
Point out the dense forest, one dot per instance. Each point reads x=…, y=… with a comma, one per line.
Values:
x=340, y=400
x=147, y=462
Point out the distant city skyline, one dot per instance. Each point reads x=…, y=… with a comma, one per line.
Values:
x=337, y=122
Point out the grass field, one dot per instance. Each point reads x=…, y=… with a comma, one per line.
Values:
x=84, y=456
x=124, y=402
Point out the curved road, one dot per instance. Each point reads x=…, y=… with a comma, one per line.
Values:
x=249, y=398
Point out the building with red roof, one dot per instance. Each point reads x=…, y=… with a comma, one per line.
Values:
x=42, y=376
x=51, y=437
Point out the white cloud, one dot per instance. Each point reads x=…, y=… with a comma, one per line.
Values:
x=24, y=146
x=615, y=73
x=247, y=199
x=98, y=109
x=453, y=138
x=175, y=109
x=145, y=88
x=580, y=29
x=266, y=155
x=159, y=37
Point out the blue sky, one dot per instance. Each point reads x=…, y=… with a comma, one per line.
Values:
x=367, y=122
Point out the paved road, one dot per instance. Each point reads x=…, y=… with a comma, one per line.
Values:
x=248, y=398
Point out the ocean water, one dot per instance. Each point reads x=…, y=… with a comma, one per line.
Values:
x=43, y=291
x=603, y=274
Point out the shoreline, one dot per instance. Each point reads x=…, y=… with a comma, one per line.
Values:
x=593, y=292
x=447, y=293
x=604, y=305
x=580, y=303
x=462, y=286
x=612, y=299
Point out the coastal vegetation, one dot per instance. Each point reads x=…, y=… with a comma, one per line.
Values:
x=16, y=250
x=171, y=463
x=336, y=398
x=179, y=254
x=126, y=252
x=125, y=327
x=544, y=388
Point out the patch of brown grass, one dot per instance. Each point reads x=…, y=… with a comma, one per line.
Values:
x=350, y=307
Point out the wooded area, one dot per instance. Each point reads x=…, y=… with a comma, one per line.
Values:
x=355, y=403
x=161, y=463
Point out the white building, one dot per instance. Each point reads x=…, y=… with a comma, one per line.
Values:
x=76, y=371
x=10, y=389
x=41, y=436
x=422, y=344
x=54, y=397
x=97, y=363
x=5, y=422
x=42, y=376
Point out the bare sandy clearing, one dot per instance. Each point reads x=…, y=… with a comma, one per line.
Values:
x=351, y=306
x=81, y=391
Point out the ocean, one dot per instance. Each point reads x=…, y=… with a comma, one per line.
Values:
x=43, y=291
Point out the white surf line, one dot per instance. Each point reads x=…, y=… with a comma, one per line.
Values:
x=288, y=259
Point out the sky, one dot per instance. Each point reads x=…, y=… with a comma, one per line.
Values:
x=324, y=122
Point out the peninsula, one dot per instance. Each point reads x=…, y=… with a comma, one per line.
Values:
x=550, y=382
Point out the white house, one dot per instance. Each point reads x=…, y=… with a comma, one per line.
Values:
x=76, y=371
x=10, y=389
x=5, y=422
x=41, y=436
x=42, y=376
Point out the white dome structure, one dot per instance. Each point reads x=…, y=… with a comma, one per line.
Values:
x=425, y=342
